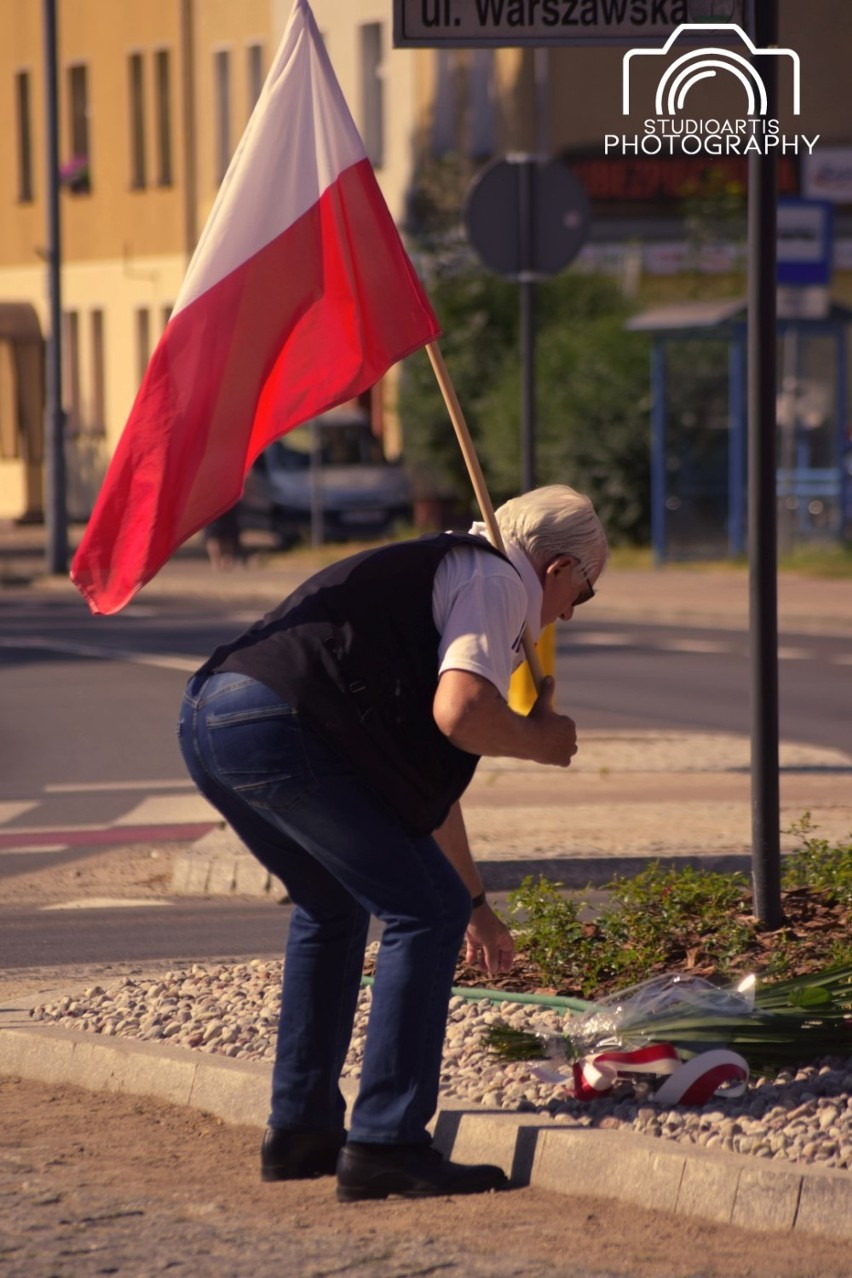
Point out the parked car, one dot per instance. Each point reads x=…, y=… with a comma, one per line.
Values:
x=326, y=481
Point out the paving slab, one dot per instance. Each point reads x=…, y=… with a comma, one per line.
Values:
x=531, y=1148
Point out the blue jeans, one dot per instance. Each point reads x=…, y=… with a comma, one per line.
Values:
x=302, y=812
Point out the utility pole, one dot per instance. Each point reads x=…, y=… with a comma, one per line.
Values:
x=762, y=499
x=55, y=506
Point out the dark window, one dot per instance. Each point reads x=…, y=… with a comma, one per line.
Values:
x=71, y=370
x=10, y=432
x=77, y=170
x=254, y=73
x=143, y=341
x=222, y=90
x=372, y=92
x=136, y=85
x=97, y=423
x=162, y=67
x=25, y=138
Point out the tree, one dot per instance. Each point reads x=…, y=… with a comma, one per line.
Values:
x=593, y=393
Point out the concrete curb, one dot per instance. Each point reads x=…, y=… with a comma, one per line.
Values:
x=631, y=1168
x=219, y=865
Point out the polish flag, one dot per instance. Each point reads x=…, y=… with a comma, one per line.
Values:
x=298, y=297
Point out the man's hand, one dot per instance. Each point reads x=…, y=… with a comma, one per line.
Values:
x=488, y=942
x=559, y=733
x=471, y=712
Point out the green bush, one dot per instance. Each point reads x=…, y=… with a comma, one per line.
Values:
x=547, y=928
x=592, y=392
x=816, y=864
x=665, y=920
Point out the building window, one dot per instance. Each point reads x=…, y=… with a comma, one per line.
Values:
x=372, y=92
x=222, y=110
x=143, y=341
x=162, y=73
x=77, y=174
x=447, y=106
x=483, y=130
x=97, y=422
x=25, y=137
x=71, y=371
x=136, y=85
x=254, y=74
x=10, y=434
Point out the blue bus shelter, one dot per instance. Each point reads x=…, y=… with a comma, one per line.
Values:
x=699, y=428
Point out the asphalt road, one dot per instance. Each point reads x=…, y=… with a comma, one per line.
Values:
x=88, y=740
x=177, y=931
x=653, y=676
x=94, y=700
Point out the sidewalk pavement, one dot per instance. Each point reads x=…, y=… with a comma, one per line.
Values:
x=629, y=797
x=691, y=595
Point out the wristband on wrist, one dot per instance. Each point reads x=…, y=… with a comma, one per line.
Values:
x=476, y=901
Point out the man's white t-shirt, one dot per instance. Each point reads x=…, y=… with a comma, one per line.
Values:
x=480, y=606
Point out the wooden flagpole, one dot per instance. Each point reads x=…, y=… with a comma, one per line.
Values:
x=478, y=480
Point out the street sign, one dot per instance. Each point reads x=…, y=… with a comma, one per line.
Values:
x=804, y=242
x=536, y=23
x=527, y=217
x=805, y=250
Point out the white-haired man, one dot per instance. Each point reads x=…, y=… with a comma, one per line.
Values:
x=337, y=737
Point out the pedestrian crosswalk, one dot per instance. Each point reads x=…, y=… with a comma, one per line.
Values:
x=721, y=644
x=65, y=815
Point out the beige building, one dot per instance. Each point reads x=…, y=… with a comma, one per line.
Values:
x=153, y=99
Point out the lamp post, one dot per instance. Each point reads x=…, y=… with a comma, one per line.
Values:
x=56, y=516
x=762, y=500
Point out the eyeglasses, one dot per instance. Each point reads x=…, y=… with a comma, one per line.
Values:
x=589, y=592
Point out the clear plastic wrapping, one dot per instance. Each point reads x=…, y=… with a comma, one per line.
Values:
x=639, y=1014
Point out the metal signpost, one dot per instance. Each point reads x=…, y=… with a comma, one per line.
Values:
x=527, y=217
x=633, y=23
x=57, y=525
x=763, y=501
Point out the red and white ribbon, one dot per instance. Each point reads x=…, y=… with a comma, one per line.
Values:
x=597, y=1075
x=689, y=1083
x=697, y=1080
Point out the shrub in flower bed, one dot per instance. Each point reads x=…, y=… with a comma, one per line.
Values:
x=688, y=920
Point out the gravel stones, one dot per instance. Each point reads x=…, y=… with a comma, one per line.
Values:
x=232, y=1009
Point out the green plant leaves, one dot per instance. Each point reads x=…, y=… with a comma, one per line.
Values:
x=667, y=920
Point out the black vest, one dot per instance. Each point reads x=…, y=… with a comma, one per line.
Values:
x=355, y=651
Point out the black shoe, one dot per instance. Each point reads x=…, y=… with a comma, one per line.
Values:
x=299, y=1155
x=414, y=1171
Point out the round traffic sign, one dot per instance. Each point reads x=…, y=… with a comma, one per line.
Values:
x=527, y=216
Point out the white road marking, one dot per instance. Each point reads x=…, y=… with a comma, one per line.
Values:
x=186, y=809
x=114, y=787
x=708, y=646
x=48, y=847
x=164, y=661
x=844, y=660
x=10, y=809
x=63, y=827
x=604, y=639
x=794, y=654
x=106, y=903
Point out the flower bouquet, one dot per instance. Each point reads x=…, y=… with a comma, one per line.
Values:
x=694, y=1034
